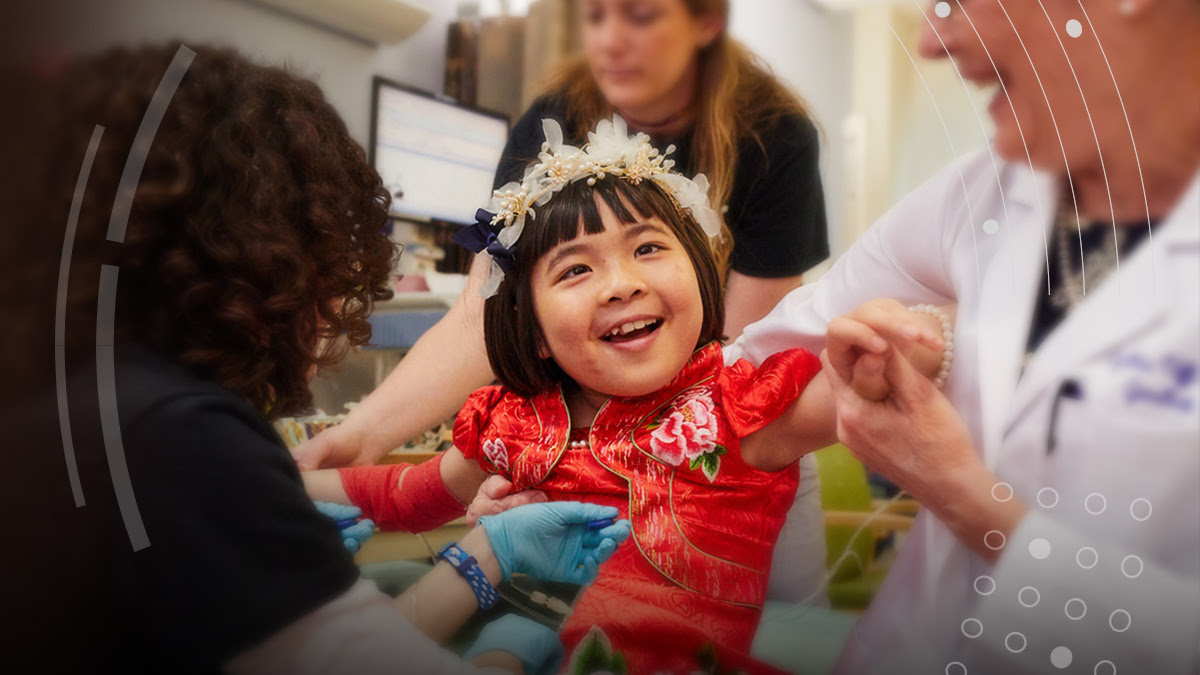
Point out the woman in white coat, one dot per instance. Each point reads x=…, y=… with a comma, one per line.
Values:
x=1059, y=468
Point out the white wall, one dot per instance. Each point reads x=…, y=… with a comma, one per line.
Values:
x=810, y=48
x=341, y=65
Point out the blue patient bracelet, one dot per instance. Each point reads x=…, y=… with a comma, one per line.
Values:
x=468, y=569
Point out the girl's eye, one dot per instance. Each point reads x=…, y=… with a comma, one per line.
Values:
x=647, y=249
x=573, y=271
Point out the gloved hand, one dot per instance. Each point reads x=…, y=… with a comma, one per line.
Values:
x=551, y=541
x=538, y=647
x=353, y=530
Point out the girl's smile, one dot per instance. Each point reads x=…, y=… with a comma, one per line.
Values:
x=620, y=311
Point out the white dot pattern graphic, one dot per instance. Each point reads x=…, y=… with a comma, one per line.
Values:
x=1074, y=28
x=1061, y=657
x=1039, y=548
x=942, y=9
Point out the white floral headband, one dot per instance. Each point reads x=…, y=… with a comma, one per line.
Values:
x=610, y=150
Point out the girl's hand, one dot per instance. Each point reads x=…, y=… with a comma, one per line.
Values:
x=493, y=497
x=861, y=342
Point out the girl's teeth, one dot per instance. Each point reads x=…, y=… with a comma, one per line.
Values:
x=629, y=327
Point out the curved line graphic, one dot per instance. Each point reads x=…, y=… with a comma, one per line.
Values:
x=132, y=172
x=974, y=109
x=953, y=151
x=60, y=316
x=1136, y=159
x=1037, y=192
x=106, y=302
x=110, y=424
x=1099, y=152
x=1057, y=133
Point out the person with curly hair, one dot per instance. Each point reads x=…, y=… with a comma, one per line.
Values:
x=224, y=241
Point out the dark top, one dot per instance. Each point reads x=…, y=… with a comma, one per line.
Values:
x=1095, y=241
x=776, y=207
x=236, y=550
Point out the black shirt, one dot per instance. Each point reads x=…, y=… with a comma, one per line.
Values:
x=237, y=551
x=776, y=207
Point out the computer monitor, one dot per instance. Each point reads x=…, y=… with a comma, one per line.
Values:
x=436, y=157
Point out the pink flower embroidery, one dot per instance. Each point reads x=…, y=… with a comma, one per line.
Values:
x=496, y=453
x=687, y=432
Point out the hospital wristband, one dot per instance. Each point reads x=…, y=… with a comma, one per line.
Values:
x=468, y=569
x=947, y=336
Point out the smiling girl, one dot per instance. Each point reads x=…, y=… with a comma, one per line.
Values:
x=603, y=329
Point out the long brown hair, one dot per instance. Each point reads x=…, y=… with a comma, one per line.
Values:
x=737, y=98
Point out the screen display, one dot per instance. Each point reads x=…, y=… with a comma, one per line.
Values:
x=436, y=158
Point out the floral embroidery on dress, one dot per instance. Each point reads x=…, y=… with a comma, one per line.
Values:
x=496, y=453
x=687, y=430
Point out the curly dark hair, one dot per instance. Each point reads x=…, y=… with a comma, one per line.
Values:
x=257, y=227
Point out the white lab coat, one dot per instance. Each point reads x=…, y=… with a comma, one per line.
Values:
x=1132, y=432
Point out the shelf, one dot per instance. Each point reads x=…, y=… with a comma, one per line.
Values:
x=380, y=22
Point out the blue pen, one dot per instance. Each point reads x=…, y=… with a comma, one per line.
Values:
x=601, y=524
x=346, y=522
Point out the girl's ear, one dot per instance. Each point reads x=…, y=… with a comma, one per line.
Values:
x=543, y=353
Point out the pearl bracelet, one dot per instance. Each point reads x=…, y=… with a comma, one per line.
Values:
x=947, y=335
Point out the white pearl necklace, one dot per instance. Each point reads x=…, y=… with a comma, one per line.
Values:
x=578, y=445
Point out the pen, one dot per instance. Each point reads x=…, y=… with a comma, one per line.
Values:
x=346, y=522
x=601, y=524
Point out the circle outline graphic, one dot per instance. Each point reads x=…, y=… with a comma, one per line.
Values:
x=1021, y=600
x=1024, y=642
x=1103, y=503
x=1128, y=620
x=1067, y=609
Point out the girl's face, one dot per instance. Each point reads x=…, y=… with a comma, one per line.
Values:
x=620, y=310
x=640, y=51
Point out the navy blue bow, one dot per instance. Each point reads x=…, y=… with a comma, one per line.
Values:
x=481, y=236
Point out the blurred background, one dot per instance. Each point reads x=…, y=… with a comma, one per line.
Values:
x=429, y=88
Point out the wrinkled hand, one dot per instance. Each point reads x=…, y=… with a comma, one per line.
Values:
x=538, y=647
x=493, y=497
x=915, y=438
x=354, y=534
x=551, y=541
x=861, y=342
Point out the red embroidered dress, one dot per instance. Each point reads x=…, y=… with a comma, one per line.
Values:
x=704, y=522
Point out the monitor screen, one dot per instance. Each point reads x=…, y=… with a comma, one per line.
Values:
x=437, y=158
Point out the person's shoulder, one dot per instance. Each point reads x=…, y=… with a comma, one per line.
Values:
x=547, y=106
x=787, y=131
x=167, y=410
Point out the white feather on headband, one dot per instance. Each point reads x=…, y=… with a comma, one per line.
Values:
x=610, y=150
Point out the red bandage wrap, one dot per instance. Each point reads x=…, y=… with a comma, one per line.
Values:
x=419, y=504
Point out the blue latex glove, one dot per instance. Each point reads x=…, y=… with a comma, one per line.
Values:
x=353, y=535
x=538, y=647
x=551, y=541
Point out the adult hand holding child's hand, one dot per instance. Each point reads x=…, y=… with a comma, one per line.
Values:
x=860, y=343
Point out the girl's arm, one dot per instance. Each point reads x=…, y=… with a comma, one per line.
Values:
x=858, y=346
x=428, y=386
x=402, y=496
